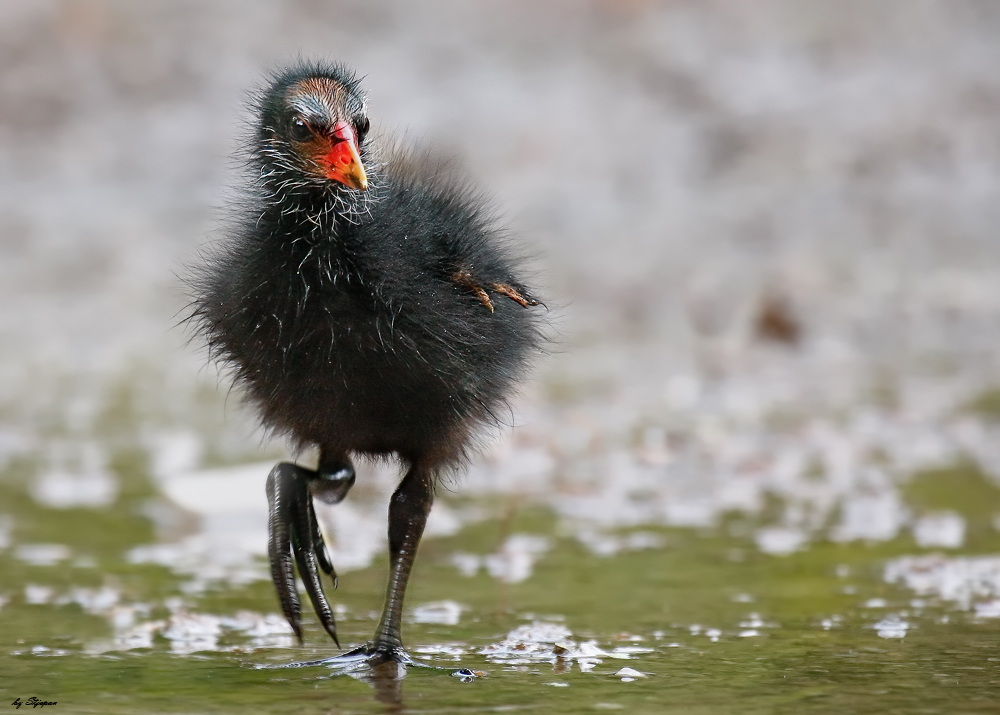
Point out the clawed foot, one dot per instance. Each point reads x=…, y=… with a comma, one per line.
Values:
x=380, y=665
x=369, y=657
x=382, y=668
x=370, y=661
x=294, y=534
x=363, y=658
x=465, y=279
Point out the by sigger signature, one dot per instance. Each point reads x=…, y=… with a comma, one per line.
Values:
x=33, y=702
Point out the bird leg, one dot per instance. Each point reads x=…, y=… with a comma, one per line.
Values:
x=293, y=533
x=408, y=511
x=465, y=279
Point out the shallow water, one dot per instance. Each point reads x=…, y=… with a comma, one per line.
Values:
x=681, y=619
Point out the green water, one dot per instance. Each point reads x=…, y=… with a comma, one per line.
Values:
x=663, y=599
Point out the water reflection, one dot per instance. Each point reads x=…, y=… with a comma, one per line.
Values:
x=387, y=679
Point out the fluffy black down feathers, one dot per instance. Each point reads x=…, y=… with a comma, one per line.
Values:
x=338, y=310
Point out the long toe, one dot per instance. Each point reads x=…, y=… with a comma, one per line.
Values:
x=280, y=497
x=294, y=536
x=367, y=657
x=306, y=549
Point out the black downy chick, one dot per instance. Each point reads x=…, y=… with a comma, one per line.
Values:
x=366, y=306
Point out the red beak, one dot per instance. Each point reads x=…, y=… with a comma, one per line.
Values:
x=343, y=159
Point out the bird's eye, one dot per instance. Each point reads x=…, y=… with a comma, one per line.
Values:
x=299, y=130
x=363, y=126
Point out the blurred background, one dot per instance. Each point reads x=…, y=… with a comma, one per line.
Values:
x=767, y=230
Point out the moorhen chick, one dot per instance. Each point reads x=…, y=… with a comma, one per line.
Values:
x=367, y=305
